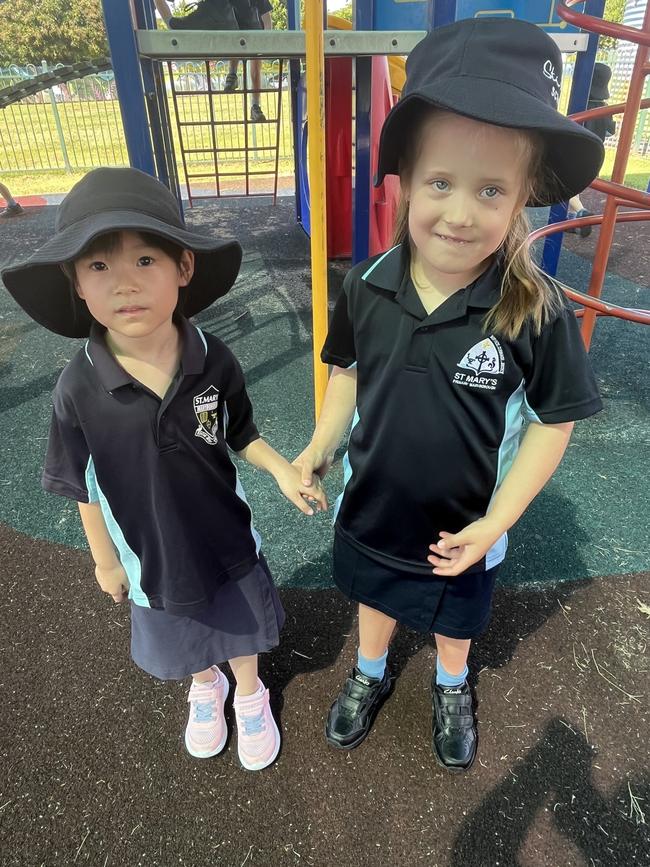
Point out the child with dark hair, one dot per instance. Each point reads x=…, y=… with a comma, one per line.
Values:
x=144, y=418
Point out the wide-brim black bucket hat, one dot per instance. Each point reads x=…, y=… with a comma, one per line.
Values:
x=500, y=71
x=600, y=82
x=108, y=200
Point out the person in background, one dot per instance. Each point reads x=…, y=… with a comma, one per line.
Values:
x=602, y=127
x=227, y=15
x=12, y=209
x=263, y=8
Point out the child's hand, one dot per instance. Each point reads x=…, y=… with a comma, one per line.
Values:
x=292, y=486
x=313, y=464
x=113, y=581
x=456, y=552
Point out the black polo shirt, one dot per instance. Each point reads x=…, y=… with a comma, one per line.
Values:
x=160, y=469
x=440, y=406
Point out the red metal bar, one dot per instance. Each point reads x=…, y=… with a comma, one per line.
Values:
x=593, y=220
x=598, y=25
x=615, y=189
x=606, y=110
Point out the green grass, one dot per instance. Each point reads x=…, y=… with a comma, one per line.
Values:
x=30, y=154
x=638, y=169
x=31, y=157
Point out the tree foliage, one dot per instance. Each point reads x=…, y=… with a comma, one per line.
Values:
x=614, y=11
x=344, y=11
x=58, y=31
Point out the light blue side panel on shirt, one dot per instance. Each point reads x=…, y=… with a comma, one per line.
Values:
x=200, y=333
x=128, y=557
x=239, y=488
x=507, y=453
x=347, y=469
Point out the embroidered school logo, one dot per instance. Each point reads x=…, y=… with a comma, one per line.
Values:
x=206, y=406
x=485, y=361
x=549, y=72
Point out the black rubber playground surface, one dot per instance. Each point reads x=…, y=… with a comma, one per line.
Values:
x=92, y=766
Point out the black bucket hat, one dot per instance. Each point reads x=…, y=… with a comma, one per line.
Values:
x=600, y=82
x=500, y=71
x=108, y=200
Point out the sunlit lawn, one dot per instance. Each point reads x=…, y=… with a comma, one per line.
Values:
x=94, y=137
x=32, y=163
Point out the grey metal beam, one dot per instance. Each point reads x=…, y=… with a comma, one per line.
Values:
x=190, y=44
x=186, y=44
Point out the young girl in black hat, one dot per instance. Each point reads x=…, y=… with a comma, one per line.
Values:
x=441, y=348
x=144, y=417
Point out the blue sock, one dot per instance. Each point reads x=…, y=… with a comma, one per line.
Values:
x=372, y=667
x=443, y=678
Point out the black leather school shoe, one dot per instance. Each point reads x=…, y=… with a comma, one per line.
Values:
x=352, y=714
x=455, y=738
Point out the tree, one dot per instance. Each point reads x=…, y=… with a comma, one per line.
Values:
x=58, y=31
x=279, y=15
x=614, y=11
x=344, y=11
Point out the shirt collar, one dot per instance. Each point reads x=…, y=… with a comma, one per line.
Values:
x=391, y=271
x=111, y=373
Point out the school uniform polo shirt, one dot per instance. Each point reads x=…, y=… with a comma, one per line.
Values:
x=440, y=406
x=160, y=469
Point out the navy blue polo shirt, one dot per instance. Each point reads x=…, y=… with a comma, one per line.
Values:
x=160, y=469
x=440, y=406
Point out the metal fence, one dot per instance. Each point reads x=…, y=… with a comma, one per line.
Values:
x=76, y=125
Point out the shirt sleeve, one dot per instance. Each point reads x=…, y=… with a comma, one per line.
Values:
x=339, y=345
x=240, y=429
x=561, y=387
x=68, y=460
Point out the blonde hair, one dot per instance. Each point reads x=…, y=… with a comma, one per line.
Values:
x=527, y=293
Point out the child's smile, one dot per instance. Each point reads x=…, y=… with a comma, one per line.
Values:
x=464, y=190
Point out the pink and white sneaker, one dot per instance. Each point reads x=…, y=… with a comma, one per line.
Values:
x=206, y=732
x=258, y=738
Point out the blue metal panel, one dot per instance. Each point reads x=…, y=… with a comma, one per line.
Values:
x=293, y=20
x=541, y=12
x=577, y=102
x=159, y=120
x=420, y=14
x=402, y=14
x=128, y=80
x=444, y=12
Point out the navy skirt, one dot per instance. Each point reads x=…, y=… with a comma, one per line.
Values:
x=245, y=618
x=457, y=607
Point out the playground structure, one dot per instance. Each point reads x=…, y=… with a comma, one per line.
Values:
x=618, y=195
x=249, y=147
x=560, y=789
x=336, y=205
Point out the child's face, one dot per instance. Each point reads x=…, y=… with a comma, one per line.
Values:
x=132, y=290
x=464, y=190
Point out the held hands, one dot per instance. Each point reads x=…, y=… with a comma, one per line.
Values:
x=303, y=496
x=456, y=552
x=313, y=464
x=113, y=581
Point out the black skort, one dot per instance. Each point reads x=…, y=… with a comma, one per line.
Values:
x=457, y=607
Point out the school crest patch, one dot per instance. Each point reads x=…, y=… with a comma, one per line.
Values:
x=206, y=409
x=485, y=361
